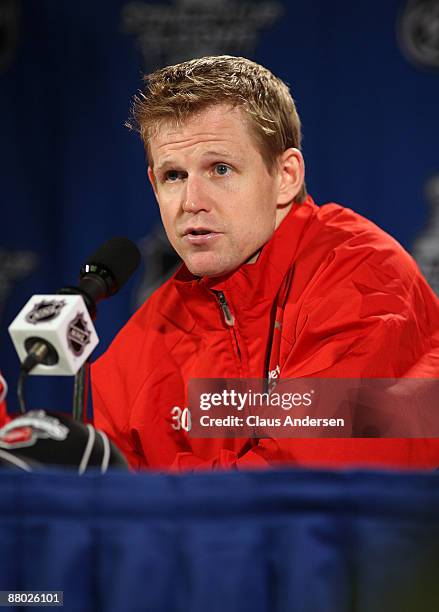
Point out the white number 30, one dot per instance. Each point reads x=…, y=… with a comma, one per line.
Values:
x=182, y=418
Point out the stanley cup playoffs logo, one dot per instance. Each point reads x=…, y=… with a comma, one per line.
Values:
x=78, y=335
x=183, y=29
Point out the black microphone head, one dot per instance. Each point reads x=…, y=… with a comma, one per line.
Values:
x=119, y=257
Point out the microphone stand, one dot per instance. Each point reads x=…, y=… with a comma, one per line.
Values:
x=80, y=392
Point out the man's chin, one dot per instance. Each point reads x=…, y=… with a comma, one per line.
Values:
x=207, y=268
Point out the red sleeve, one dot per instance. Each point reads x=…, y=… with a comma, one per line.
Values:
x=120, y=437
x=3, y=414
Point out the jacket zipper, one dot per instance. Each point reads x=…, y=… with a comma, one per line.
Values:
x=228, y=317
x=230, y=322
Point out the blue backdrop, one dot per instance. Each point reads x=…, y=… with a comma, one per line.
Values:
x=72, y=175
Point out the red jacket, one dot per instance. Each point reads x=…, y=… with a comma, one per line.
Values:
x=351, y=303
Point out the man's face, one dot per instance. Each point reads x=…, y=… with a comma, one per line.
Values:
x=219, y=204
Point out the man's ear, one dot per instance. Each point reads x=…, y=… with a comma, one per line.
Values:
x=152, y=180
x=292, y=175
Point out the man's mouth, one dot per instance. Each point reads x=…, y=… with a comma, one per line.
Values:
x=200, y=235
x=201, y=232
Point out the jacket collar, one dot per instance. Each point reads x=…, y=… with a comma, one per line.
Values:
x=260, y=281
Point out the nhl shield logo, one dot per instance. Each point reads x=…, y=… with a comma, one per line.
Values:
x=44, y=311
x=78, y=335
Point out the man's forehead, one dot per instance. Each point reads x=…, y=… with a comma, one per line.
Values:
x=219, y=125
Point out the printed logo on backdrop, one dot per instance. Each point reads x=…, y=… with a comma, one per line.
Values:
x=9, y=32
x=173, y=32
x=78, y=335
x=14, y=265
x=426, y=246
x=44, y=311
x=418, y=32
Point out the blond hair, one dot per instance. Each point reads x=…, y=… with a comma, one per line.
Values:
x=175, y=93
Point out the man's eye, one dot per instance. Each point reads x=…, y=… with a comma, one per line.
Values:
x=222, y=169
x=172, y=175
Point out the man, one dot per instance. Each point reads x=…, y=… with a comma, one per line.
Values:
x=271, y=284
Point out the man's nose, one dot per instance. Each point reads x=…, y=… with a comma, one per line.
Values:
x=195, y=196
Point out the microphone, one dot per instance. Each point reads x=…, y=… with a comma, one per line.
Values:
x=54, y=334
x=105, y=272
